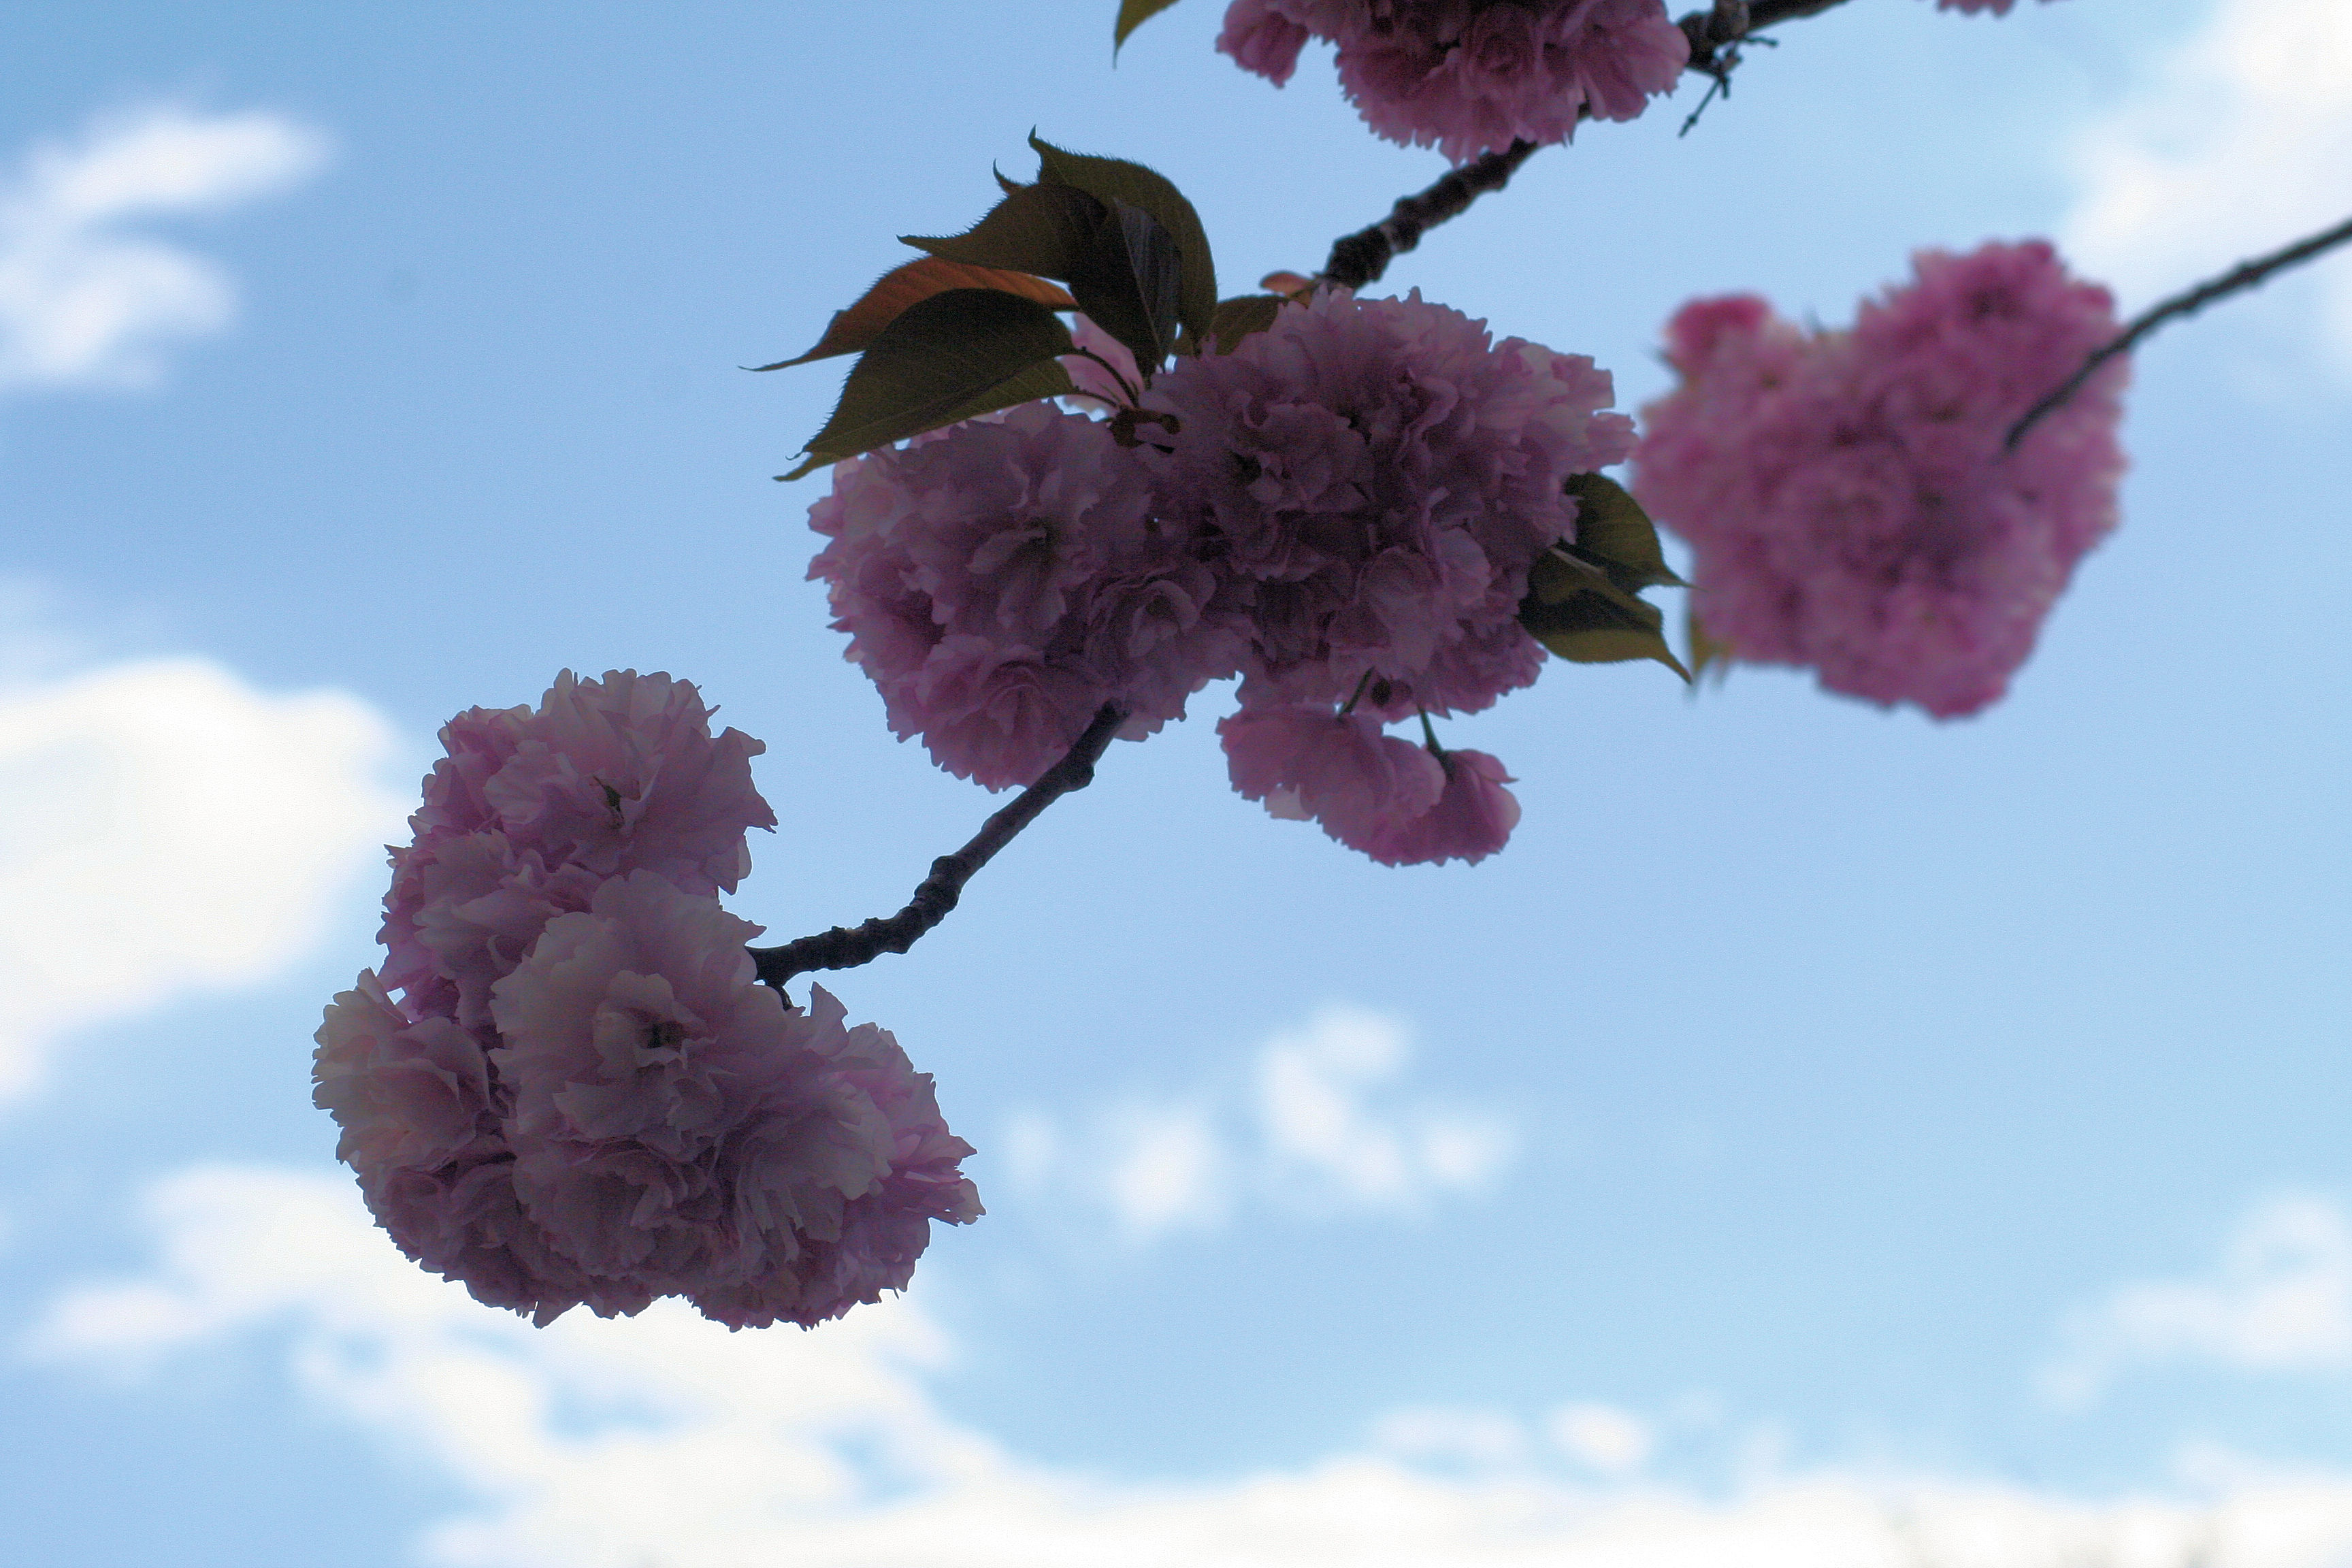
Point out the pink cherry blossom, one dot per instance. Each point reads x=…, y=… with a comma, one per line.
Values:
x=883, y=1229
x=420, y=1108
x=406, y=1091
x=1000, y=713
x=531, y=808
x=1261, y=37
x=1004, y=579
x=581, y=1095
x=1850, y=498
x=675, y=1124
x=1375, y=479
x=1470, y=820
x=1343, y=509
x=463, y=1221
x=616, y=775
x=1308, y=763
x=1467, y=77
x=647, y=1119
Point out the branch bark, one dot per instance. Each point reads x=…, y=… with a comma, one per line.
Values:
x=844, y=947
x=1359, y=259
x=2245, y=274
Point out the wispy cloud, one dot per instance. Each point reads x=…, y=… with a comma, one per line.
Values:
x=165, y=829
x=1324, y=1124
x=2279, y=1300
x=87, y=299
x=2239, y=140
x=601, y=1444
x=1602, y=1438
x=1332, y=1132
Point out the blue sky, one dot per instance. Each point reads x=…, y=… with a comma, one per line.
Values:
x=1822, y=1136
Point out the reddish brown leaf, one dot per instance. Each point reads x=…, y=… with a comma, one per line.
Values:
x=852, y=330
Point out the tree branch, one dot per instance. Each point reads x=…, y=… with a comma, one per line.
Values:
x=2245, y=274
x=1359, y=259
x=844, y=948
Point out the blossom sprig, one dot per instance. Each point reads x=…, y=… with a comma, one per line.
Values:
x=1851, y=498
x=1372, y=508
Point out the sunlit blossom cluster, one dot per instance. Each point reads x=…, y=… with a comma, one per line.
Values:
x=1343, y=510
x=565, y=1086
x=1851, y=499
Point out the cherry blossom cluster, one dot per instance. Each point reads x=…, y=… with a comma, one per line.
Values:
x=581, y=1095
x=1469, y=77
x=1852, y=498
x=1342, y=510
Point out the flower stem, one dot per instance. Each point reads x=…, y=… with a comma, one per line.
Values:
x=1133, y=396
x=843, y=947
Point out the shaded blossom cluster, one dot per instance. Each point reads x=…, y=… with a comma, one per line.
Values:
x=1469, y=77
x=1343, y=510
x=580, y=1095
x=1850, y=498
x=1001, y=581
x=1998, y=7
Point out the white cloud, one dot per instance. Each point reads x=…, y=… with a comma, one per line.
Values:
x=662, y=1438
x=85, y=297
x=165, y=828
x=1326, y=1126
x=1475, y=1439
x=1320, y=1127
x=1171, y=1170
x=2280, y=1300
x=1602, y=1438
x=2239, y=140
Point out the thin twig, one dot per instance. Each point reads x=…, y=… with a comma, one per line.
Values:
x=844, y=948
x=1358, y=260
x=2245, y=274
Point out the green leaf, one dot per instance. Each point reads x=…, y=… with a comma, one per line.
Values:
x=1128, y=284
x=1114, y=179
x=1705, y=652
x=1133, y=14
x=902, y=287
x=957, y=354
x=1574, y=608
x=1047, y=229
x=1240, y=316
x=1613, y=533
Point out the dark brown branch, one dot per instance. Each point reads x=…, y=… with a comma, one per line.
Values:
x=1718, y=35
x=2244, y=276
x=1358, y=260
x=844, y=948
